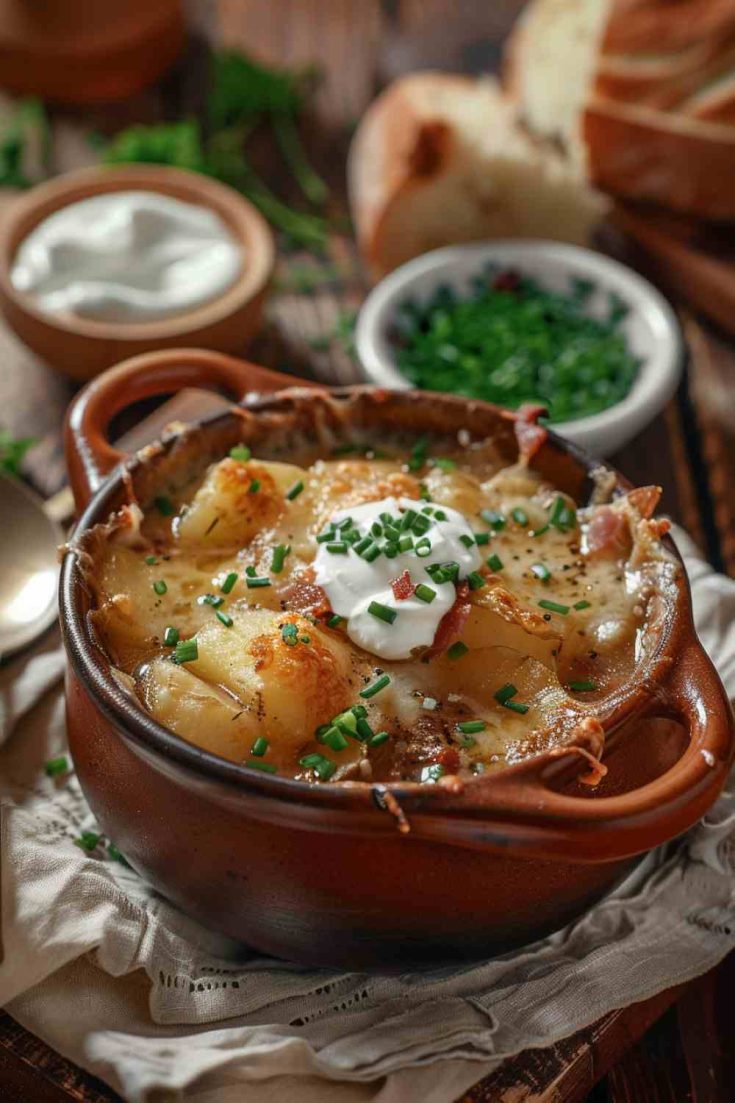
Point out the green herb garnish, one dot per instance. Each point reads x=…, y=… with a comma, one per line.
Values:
x=371, y=690
x=259, y=747
x=554, y=607
x=229, y=582
x=53, y=767
x=186, y=651
x=295, y=490
x=171, y=637
x=457, y=650
x=382, y=612
x=240, y=452
x=160, y=587
x=510, y=341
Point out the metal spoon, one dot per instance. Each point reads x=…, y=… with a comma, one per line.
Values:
x=29, y=538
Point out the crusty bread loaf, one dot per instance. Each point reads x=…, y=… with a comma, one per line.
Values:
x=439, y=159
x=640, y=92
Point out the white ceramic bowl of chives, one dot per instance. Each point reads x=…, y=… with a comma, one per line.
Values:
x=650, y=326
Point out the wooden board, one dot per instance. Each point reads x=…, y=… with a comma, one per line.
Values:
x=689, y=450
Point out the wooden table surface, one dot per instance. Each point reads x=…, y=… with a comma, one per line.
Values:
x=671, y=1049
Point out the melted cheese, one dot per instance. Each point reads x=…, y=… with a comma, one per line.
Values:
x=527, y=658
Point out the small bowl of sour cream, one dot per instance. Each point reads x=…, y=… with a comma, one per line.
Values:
x=108, y=262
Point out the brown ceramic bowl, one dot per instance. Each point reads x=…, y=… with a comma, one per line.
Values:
x=80, y=347
x=321, y=873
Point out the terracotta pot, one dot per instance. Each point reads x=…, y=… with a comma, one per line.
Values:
x=74, y=51
x=321, y=874
x=82, y=347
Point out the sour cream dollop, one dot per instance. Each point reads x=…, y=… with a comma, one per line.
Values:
x=353, y=582
x=127, y=256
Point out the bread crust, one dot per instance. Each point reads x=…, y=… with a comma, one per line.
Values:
x=397, y=148
x=665, y=157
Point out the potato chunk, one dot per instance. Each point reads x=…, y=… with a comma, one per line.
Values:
x=289, y=689
x=201, y=713
x=235, y=502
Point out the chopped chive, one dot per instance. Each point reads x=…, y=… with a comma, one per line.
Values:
x=432, y=773
x=380, y=683
x=229, y=582
x=443, y=463
x=160, y=587
x=87, y=841
x=363, y=545
x=505, y=693
x=338, y=548
x=259, y=747
x=582, y=605
x=423, y=547
x=378, y=738
x=519, y=516
x=494, y=562
x=541, y=571
x=295, y=490
x=405, y=543
x=55, y=766
x=440, y=515
x=376, y=528
x=116, y=854
x=334, y=738
x=186, y=651
x=562, y=516
x=468, y=541
x=266, y=767
x=363, y=731
x=250, y=572
x=371, y=554
x=541, y=531
x=481, y=538
x=469, y=727
x=171, y=637
x=407, y=519
x=382, y=612
x=279, y=557
x=240, y=452
x=457, y=650
x=164, y=505
x=358, y=710
x=516, y=706
x=424, y=593
x=421, y=525
x=254, y=486
x=583, y=687
x=417, y=459
x=324, y=536
x=475, y=581
x=305, y=639
x=390, y=550
x=346, y=722
x=494, y=519
x=322, y=767
x=257, y=583
x=150, y=560
x=333, y=621
x=210, y=599
x=554, y=607
x=223, y=618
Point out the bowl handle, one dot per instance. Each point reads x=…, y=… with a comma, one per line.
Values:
x=522, y=811
x=89, y=454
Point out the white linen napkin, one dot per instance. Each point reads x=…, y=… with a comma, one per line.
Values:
x=125, y=985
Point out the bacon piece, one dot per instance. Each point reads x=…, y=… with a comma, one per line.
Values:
x=449, y=759
x=453, y=621
x=529, y=434
x=608, y=533
x=644, y=500
x=402, y=587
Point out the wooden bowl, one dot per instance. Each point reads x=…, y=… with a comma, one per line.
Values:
x=321, y=873
x=80, y=347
